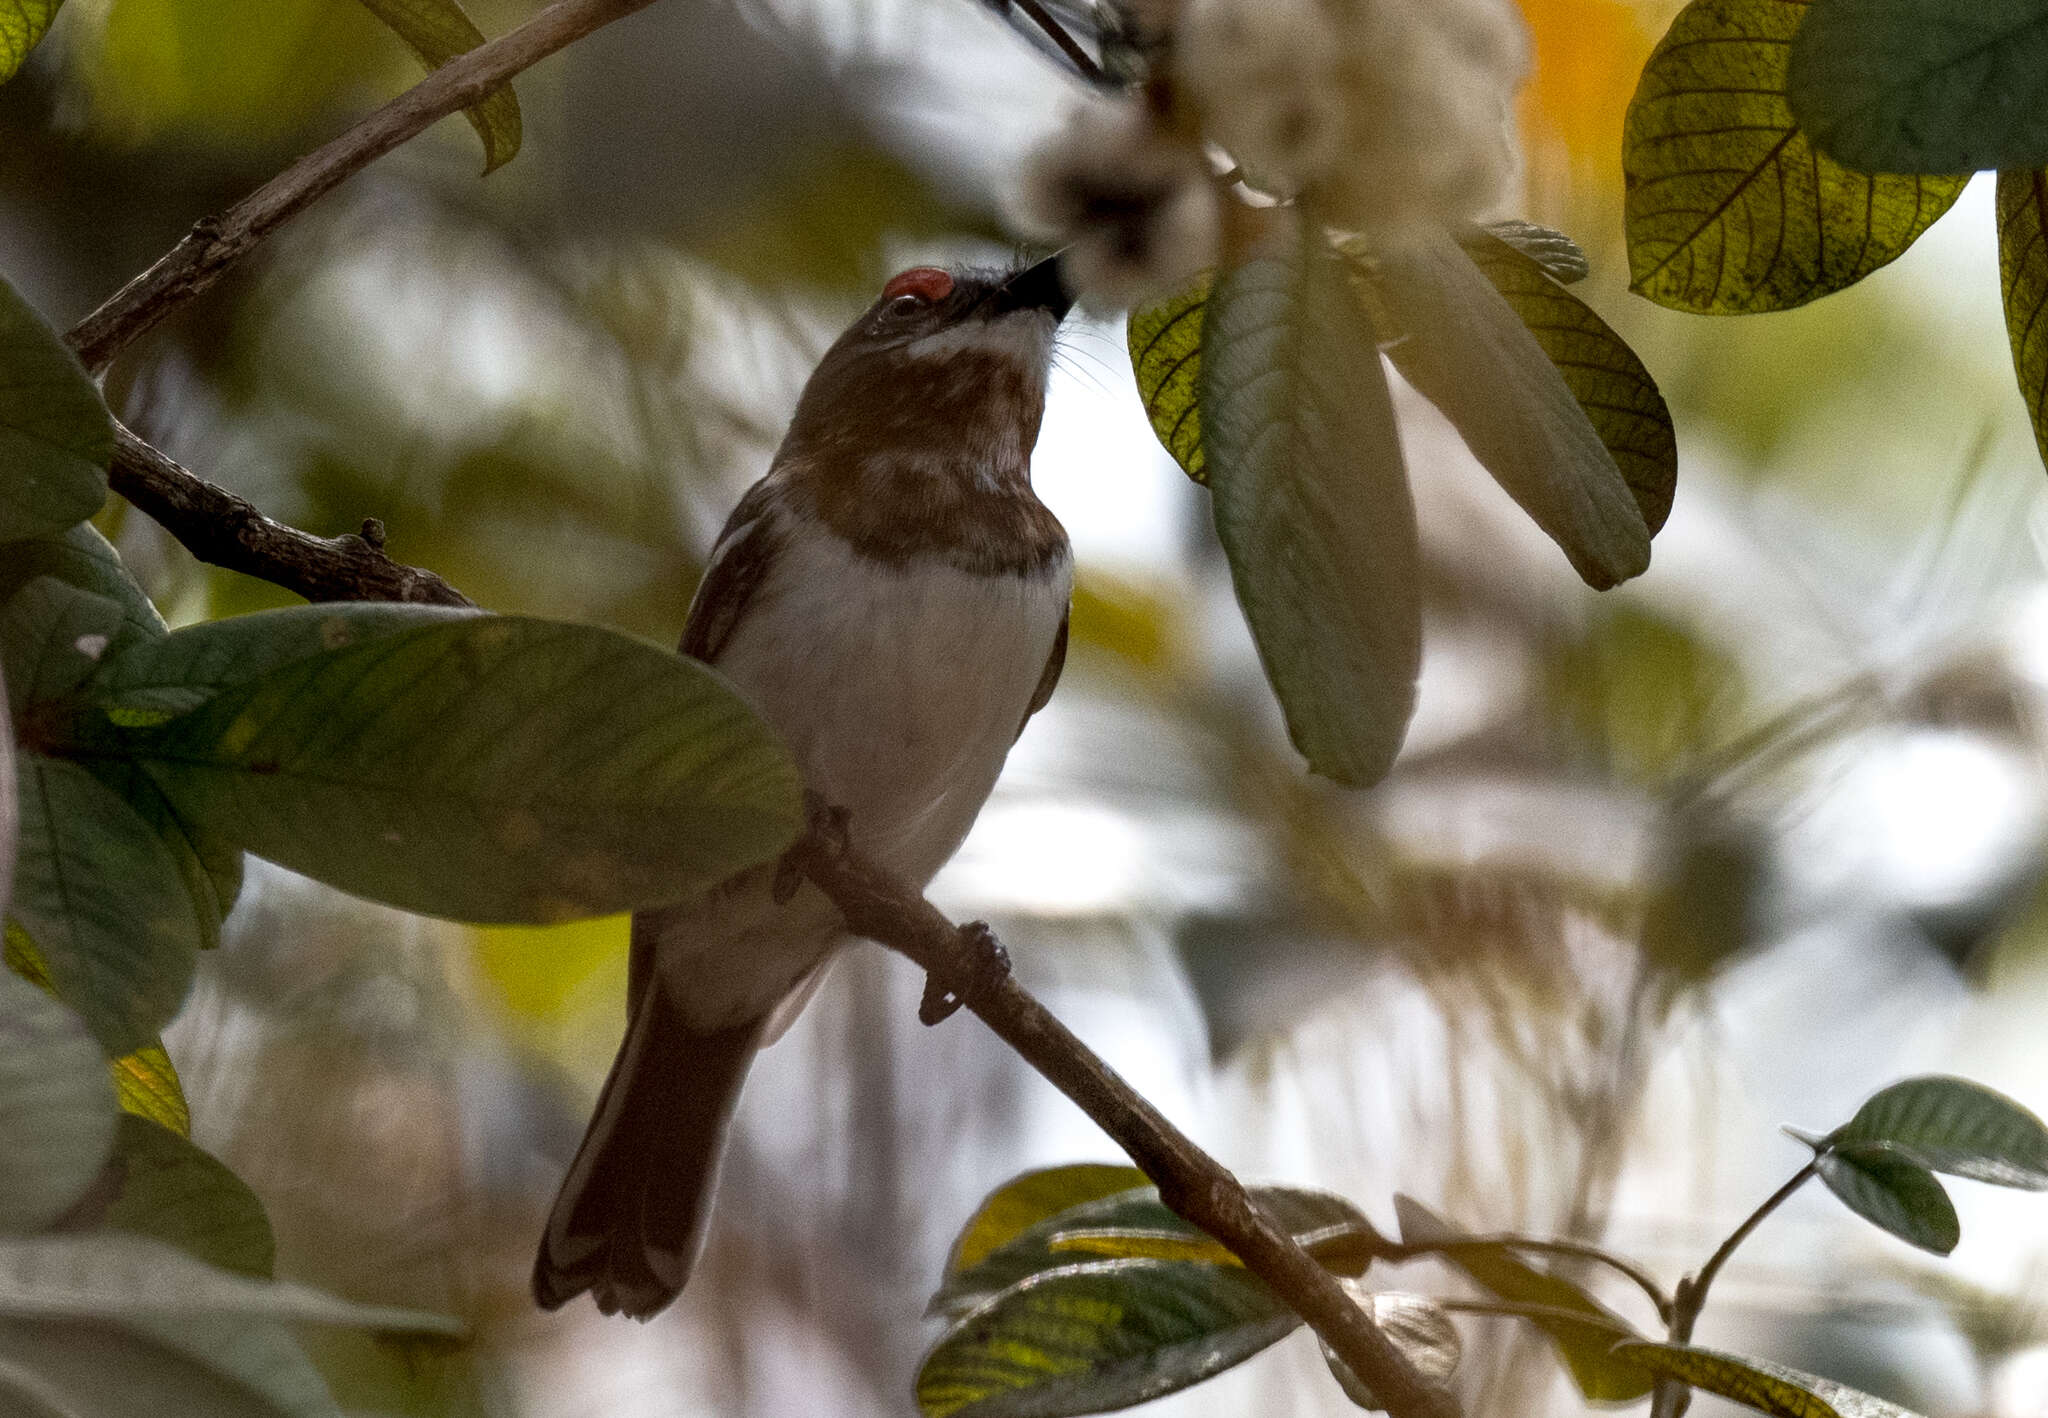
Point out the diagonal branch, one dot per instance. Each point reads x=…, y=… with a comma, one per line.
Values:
x=1196, y=1186
x=218, y=527
x=217, y=242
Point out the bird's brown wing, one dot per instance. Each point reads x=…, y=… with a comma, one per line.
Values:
x=739, y=563
x=1049, y=680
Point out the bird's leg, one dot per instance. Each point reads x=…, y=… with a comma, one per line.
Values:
x=825, y=821
x=990, y=966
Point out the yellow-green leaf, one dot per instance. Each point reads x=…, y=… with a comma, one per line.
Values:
x=1730, y=208
x=2023, y=273
x=182, y=1194
x=145, y=1083
x=1143, y=1245
x=23, y=23
x=437, y=31
x=1022, y=1202
x=1166, y=355
x=1764, y=1386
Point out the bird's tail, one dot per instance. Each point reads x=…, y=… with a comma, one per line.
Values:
x=630, y=1216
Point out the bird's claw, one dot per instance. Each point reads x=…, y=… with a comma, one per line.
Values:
x=990, y=966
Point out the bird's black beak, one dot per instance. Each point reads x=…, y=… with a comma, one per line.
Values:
x=1034, y=288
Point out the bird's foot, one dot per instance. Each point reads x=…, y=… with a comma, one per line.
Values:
x=828, y=824
x=990, y=966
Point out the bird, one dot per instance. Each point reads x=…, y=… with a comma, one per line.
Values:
x=892, y=598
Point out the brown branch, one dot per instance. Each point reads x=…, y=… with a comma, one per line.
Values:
x=226, y=530
x=217, y=242
x=1083, y=62
x=1192, y=1183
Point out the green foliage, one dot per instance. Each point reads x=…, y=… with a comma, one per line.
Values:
x=1924, y=85
x=1311, y=504
x=1165, y=340
x=1586, y=1345
x=438, y=30
x=1768, y=1388
x=57, y=1113
x=1024, y=1201
x=1893, y=1192
x=51, y=638
x=79, y=556
x=1730, y=209
x=1553, y=253
x=2023, y=278
x=174, y=1191
x=23, y=23
x=1457, y=339
x=1955, y=1126
x=55, y=436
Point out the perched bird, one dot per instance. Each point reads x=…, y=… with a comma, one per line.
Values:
x=892, y=597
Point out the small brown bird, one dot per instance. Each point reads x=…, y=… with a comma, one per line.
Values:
x=892, y=597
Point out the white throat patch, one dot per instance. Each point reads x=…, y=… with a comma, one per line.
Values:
x=1022, y=335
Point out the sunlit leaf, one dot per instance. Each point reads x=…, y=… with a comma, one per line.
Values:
x=437, y=31
x=1458, y=340
x=1024, y=1201
x=1887, y=1188
x=1767, y=1387
x=1311, y=504
x=1603, y=373
x=1924, y=85
x=1416, y=1325
x=2023, y=274
x=79, y=556
x=102, y=898
x=483, y=768
x=51, y=637
x=1953, y=1125
x=57, y=1113
x=1730, y=209
x=23, y=23
x=1584, y=1345
x=55, y=436
x=1551, y=252
x=1098, y=1336
x=176, y=1192
x=1166, y=356
x=145, y=1084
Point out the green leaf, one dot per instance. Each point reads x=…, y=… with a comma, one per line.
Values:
x=1767, y=1387
x=178, y=1193
x=1416, y=1325
x=1024, y=1201
x=52, y=636
x=70, y=1369
x=55, y=436
x=1311, y=504
x=1585, y=1346
x=209, y=865
x=1924, y=85
x=79, y=556
x=1890, y=1190
x=1165, y=340
x=1953, y=1125
x=1102, y=1335
x=1729, y=208
x=57, y=1111
x=436, y=31
x=1457, y=339
x=1553, y=253
x=23, y=23
x=101, y=896
x=1603, y=373
x=2023, y=275
x=486, y=768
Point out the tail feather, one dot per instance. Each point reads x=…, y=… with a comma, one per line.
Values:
x=630, y=1216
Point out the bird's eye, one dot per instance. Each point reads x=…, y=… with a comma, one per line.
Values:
x=902, y=306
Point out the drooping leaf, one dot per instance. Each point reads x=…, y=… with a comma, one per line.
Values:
x=209, y=865
x=1953, y=1125
x=75, y=1369
x=145, y=1084
x=2023, y=276
x=484, y=768
x=52, y=636
x=55, y=436
x=1584, y=1345
x=1416, y=1325
x=1764, y=1386
x=176, y=1192
x=1092, y=1337
x=1551, y=252
x=1613, y=388
x=1024, y=1201
x=438, y=30
x=1311, y=504
x=57, y=1110
x=1456, y=338
x=79, y=556
x=1890, y=1190
x=1165, y=340
x=101, y=896
x=1729, y=207
x=1924, y=85
x=23, y=23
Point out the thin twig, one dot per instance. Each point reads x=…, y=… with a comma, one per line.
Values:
x=225, y=530
x=1193, y=1184
x=1069, y=46
x=1579, y=1250
x=217, y=242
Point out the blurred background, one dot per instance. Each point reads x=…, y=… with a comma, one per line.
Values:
x=1659, y=870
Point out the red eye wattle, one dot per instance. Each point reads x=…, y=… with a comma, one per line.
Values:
x=927, y=283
